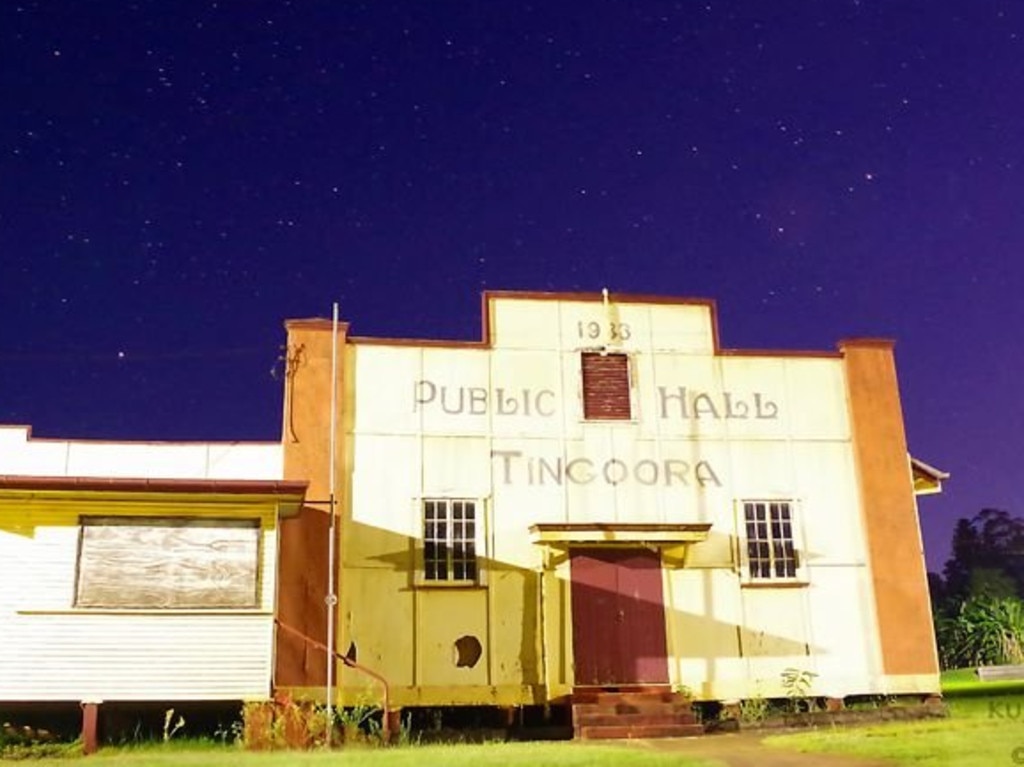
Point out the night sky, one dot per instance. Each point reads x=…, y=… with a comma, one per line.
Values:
x=176, y=179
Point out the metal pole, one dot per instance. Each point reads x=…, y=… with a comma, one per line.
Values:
x=332, y=598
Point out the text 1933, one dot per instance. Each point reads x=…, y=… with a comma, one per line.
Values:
x=593, y=330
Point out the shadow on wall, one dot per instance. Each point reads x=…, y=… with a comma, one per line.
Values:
x=494, y=628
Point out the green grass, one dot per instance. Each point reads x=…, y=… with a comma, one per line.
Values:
x=964, y=682
x=486, y=755
x=985, y=727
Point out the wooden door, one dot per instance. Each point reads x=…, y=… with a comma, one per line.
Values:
x=618, y=617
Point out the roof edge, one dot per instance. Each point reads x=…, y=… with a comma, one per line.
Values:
x=277, y=487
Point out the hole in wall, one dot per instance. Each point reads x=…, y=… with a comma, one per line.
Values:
x=467, y=651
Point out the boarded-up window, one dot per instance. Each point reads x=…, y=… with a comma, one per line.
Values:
x=164, y=562
x=606, y=386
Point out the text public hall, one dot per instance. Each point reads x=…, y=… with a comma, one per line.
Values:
x=673, y=402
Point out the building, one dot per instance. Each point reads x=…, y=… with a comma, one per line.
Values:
x=598, y=495
x=137, y=572
x=594, y=496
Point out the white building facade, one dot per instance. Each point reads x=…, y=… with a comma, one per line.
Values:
x=597, y=494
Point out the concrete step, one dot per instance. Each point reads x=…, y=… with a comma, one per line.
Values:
x=602, y=714
x=612, y=720
x=589, y=709
x=626, y=731
x=628, y=696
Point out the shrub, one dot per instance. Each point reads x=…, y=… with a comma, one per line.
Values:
x=31, y=743
x=287, y=723
x=984, y=631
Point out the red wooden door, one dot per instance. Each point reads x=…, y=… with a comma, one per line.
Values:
x=618, y=617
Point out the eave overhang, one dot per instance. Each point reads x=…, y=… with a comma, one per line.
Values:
x=927, y=479
x=288, y=495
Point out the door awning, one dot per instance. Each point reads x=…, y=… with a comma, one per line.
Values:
x=559, y=534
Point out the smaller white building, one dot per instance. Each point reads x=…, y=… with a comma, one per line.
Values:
x=138, y=571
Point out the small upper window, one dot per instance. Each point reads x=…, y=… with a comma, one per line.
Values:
x=771, y=552
x=606, y=390
x=449, y=540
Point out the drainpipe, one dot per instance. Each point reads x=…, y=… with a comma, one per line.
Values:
x=542, y=625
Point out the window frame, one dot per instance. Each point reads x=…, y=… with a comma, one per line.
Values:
x=86, y=593
x=630, y=385
x=747, y=575
x=478, y=540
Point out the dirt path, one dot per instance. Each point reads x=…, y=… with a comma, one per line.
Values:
x=746, y=750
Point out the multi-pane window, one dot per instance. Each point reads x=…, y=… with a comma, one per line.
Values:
x=771, y=552
x=606, y=387
x=449, y=540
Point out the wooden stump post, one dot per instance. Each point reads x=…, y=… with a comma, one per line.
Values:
x=90, y=727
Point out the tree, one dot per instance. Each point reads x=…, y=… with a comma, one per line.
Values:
x=979, y=615
x=987, y=558
x=956, y=575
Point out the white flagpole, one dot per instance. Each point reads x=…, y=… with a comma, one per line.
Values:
x=332, y=598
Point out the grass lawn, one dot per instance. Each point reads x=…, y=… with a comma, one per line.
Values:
x=985, y=727
x=963, y=682
x=487, y=755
